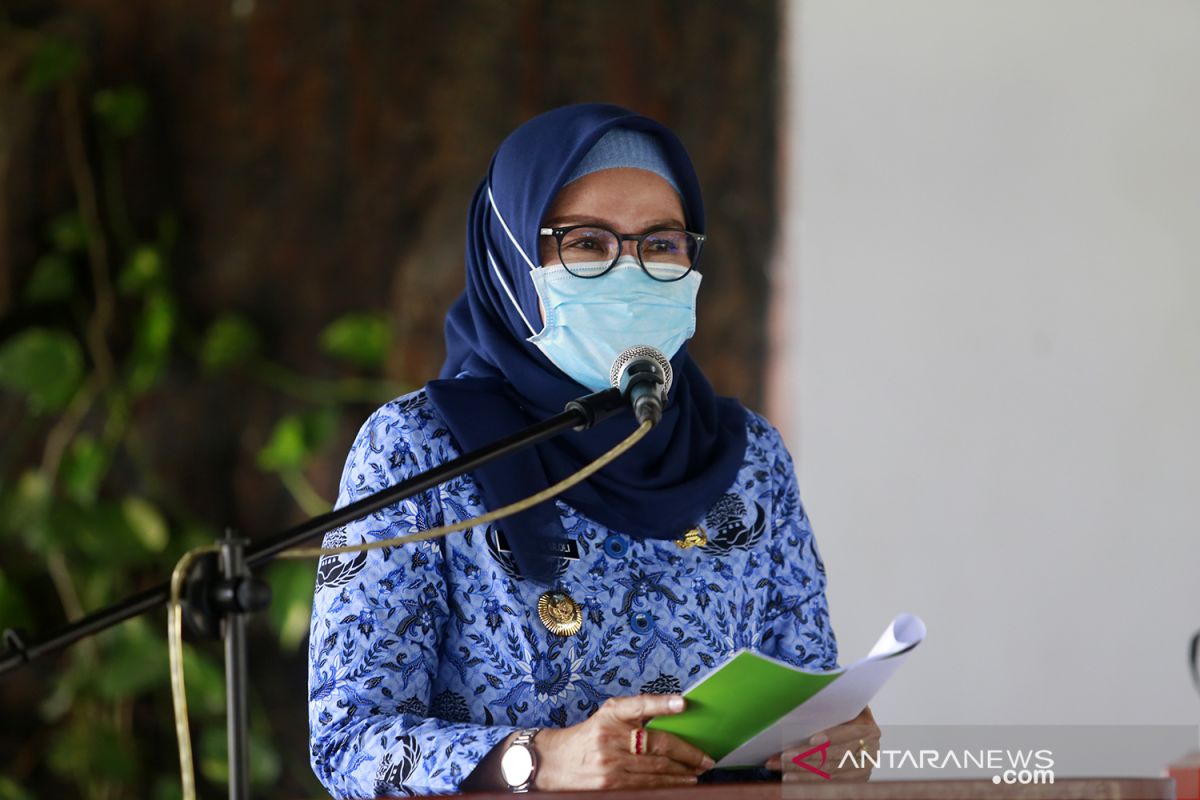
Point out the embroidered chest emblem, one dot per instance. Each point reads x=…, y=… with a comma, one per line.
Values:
x=732, y=526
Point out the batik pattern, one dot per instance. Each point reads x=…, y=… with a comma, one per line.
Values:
x=422, y=657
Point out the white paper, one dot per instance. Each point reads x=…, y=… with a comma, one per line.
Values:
x=840, y=701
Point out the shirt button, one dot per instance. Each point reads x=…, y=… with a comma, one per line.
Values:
x=641, y=622
x=615, y=546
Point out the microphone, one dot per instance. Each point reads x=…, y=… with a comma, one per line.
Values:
x=643, y=376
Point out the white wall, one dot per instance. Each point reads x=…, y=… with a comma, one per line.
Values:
x=988, y=346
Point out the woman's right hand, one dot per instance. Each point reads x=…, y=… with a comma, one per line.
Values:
x=595, y=754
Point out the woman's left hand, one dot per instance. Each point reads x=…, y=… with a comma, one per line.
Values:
x=860, y=733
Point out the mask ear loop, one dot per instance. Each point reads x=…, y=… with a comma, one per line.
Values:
x=503, y=224
x=496, y=267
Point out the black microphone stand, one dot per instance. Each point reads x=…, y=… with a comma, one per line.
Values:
x=222, y=591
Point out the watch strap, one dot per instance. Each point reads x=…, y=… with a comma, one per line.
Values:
x=525, y=739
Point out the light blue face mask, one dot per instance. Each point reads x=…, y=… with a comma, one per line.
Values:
x=589, y=322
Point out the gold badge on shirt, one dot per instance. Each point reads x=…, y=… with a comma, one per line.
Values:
x=560, y=613
x=693, y=538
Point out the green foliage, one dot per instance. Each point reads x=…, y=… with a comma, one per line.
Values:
x=133, y=661
x=205, y=683
x=264, y=761
x=53, y=62
x=291, y=600
x=43, y=364
x=13, y=610
x=360, y=339
x=83, y=468
x=52, y=280
x=166, y=788
x=26, y=504
x=9, y=790
x=152, y=340
x=296, y=439
x=86, y=506
x=86, y=512
x=68, y=233
x=146, y=522
x=229, y=341
x=144, y=269
x=87, y=750
x=121, y=110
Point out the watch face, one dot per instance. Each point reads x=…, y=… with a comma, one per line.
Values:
x=516, y=765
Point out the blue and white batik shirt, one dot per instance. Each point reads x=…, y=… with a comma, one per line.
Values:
x=423, y=657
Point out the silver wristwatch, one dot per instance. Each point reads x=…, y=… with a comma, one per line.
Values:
x=519, y=764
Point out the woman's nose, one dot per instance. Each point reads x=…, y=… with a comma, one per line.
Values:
x=628, y=248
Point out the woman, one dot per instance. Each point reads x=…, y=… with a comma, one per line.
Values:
x=526, y=654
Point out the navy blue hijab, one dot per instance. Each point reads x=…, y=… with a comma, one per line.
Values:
x=494, y=382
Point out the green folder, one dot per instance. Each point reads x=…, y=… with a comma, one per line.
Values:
x=742, y=697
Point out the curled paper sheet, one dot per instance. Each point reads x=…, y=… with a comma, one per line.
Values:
x=754, y=706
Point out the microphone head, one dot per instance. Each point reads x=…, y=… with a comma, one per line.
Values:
x=640, y=352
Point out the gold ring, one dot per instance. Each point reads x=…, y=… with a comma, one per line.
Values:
x=637, y=741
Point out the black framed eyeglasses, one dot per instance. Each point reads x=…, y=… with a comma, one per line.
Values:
x=589, y=251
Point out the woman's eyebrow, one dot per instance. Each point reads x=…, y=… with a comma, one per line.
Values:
x=561, y=222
